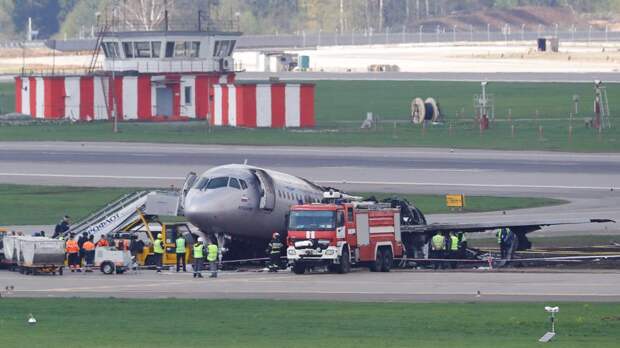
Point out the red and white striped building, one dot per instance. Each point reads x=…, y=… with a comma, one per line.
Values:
x=162, y=76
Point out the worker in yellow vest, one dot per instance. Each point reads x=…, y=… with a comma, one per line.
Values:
x=180, y=251
x=158, y=251
x=438, y=247
x=454, y=249
x=199, y=257
x=212, y=258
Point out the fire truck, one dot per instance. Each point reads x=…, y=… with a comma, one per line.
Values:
x=343, y=232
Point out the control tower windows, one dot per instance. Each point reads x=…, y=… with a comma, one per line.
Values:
x=156, y=49
x=223, y=48
x=128, y=49
x=142, y=49
x=111, y=49
x=183, y=49
x=169, y=49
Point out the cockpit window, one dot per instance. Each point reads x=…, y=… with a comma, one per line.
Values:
x=234, y=183
x=201, y=183
x=216, y=183
x=244, y=185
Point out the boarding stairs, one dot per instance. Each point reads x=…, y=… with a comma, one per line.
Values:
x=113, y=216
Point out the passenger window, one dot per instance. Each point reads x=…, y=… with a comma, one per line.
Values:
x=350, y=214
x=244, y=185
x=216, y=183
x=234, y=183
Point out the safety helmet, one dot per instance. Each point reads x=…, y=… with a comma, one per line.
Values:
x=200, y=240
x=276, y=235
x=159, y=236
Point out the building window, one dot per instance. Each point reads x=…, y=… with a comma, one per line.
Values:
x=142, y=49
x=180, y=49
x=195, y=51
x=128, y=49
x=155, y=49
x=188, y=95
x=169, y=49
x=111, y=49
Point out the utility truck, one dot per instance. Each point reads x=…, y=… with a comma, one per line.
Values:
x=342, y=232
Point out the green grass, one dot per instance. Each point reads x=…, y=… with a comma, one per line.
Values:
x=7, y=98
x=39, y=205
x=342, y=105
x=436, y=204
x=259, y=323
x=584, y=240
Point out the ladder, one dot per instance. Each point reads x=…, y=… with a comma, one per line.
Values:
x=107, y=211
x=97, y=49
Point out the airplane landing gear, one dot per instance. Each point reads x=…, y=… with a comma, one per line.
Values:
x=222, y=238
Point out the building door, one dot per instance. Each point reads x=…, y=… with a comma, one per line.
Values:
x=164, y=102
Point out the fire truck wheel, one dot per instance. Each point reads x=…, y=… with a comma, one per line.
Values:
x=299, y=268
x=388, y=259
x=377, y=265
x=345, y=262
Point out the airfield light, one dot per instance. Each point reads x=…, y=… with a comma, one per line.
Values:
x=550, y=334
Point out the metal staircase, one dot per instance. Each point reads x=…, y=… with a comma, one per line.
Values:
x=111, y=215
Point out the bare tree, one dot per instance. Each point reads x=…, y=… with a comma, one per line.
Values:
x=144, y=14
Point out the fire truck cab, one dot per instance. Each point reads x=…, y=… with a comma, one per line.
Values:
x=341, y=233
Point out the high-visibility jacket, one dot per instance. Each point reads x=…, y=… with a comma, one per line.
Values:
x=158, y=246
x=275, y=246
x=212, y=252
x=454, y=243
x=102, y=243
x=88, y=246
x=438, y=242
x=504, y=235
x=198, y=251
x=180, y=245
x=72, y=246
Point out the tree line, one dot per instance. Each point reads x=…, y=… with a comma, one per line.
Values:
x=76, y=17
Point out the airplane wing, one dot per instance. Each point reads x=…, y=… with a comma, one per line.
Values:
x=520, y=227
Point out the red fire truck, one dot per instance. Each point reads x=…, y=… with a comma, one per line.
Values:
x=344, y=233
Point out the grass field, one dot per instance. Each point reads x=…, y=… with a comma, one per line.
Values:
x=18, y=202
x=252, y=323
x=341, y=107
x=584, y=240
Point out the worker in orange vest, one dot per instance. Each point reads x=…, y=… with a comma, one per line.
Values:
x=89, y=253
x=102, y=242
x=73, y=253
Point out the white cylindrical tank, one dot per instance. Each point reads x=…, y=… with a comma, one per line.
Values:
x=39, y=251
x=9, y=248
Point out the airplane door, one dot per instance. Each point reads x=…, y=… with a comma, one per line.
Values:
x=190, y=179
x=268, y=195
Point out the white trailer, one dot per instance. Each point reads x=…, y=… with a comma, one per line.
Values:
x=40, y=255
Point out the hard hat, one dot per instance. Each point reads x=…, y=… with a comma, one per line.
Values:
x=159, y=236
x=276, y=235
x=200, y=240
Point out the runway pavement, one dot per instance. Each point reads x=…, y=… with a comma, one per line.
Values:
x=360, y=285
x=589, y=181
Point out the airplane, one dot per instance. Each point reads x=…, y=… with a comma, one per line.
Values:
x=247, y=204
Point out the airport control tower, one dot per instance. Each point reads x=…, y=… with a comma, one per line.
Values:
x=165, y=70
